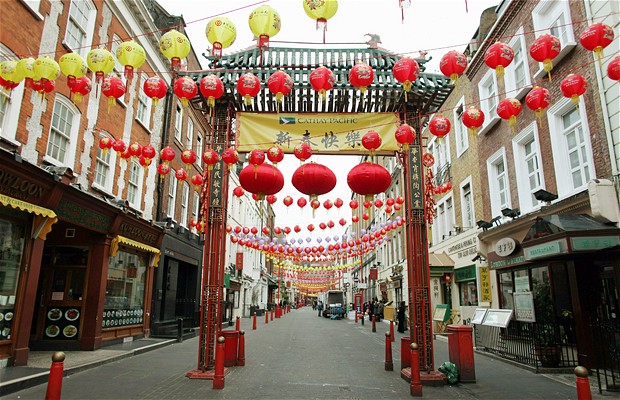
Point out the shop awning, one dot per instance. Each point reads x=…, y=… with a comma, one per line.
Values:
x=440, y=260
x=44, y=217
x=136, y=245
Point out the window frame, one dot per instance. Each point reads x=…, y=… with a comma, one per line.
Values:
x=444, y=222
x=13, y=103
x=184, y=204
x=178, y=123
x=485, y=98
x=524, y=192
x=111, y=164
x=144, y=102
x=460, y=130
x=199, y=150
x=472, y=223
x=494, y=195
x=138, y=185
x=172, y=195
x=510, y=77
x=84, y=47
x=70, y=152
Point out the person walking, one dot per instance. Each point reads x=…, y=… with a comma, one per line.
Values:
x=319, y=307
x=379, y=310
x=400, y=316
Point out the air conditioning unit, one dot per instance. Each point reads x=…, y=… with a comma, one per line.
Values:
x=604, y=201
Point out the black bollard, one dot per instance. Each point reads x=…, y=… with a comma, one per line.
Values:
x=179, y=330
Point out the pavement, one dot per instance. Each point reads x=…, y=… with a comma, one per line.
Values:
x=297, y=356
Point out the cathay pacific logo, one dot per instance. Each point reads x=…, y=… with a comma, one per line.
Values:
x=287, y=120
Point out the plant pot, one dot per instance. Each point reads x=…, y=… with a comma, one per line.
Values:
x=549, y=356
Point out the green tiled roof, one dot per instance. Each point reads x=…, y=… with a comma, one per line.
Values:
x=427, y=94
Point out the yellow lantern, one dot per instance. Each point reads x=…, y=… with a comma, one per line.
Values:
x=321, y=11
x=46, y=68
x=221, y=33
x=131, y=55
x=26, y=67
x=174, y=46
x=10, y=73
x=264, y=23
x=73, y=66
x=101, y=62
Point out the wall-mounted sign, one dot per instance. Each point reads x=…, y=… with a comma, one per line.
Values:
x=545, y=249
x=505, y=246
x=524, y=306
x=485, y=285
x=239, y=261
x=589, y=243
x=442, y=312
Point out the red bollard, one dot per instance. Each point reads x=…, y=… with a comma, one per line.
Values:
x=266, y=316
x=415, y=387
x=583, y=383
x=374, y=324
x=356, y=317
x=392, y=330
x=241, y=351
x=238, y=324
x=218, y=374
x=272, y=314
x=254, y=323
x=54, y=382
x=389, y=365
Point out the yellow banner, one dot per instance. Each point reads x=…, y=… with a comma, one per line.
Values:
x=325, y=132
x=485, y=285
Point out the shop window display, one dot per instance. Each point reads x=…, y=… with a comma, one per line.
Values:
x=469, y=293
x=125, y=288
x=12, y=232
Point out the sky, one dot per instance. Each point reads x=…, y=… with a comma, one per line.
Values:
x=433, y=26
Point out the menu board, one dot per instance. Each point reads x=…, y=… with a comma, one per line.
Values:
x=6, y=323
x=121, y=317
x=62, y=323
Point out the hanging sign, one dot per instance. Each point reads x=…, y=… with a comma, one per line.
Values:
x=239, y=261
x=325, y=132
x=485, y=285
x=216, y=180
x=373, y=273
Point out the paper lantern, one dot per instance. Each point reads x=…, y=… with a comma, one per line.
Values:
x=321, y=11
x=126, y=155
x=613, y=69
x=43, y=86
x=361, y=76
x=544, y=49
x=266, y=180
x=367, y=179
x=275, y=154
x=313, y=179
x=573, y=86
x=25, y=66
x=322, y=79
x=106, y=143
x=144, y=162
x=135, y=150
x=155, y=88
x=248, y=86
x=537, y=100
x=45, y=68
x=81, y=87
x=174, y=46
x=185, y=88
x=452, y=65
x=196, y=181
x=301, y=202
x=148, y=152
x=473, y=118
x=167, y=154
x=288, y=200
x=371, y=142
x=210, y=157
x=163, y=169
x=498, y=56
x=113, y=88
x=119, y=146
x=338, y=203
x=280, y=84
x=271, y=199
x=131, y=56
x=188, y=157
x=238, y=191
x=596, y=37
x=230, y=156
x=180, y=174
x=302, y=151
x=264, y=23
x=221, y=33
x=508, y=109
x=73, y=66
x=101, y=62
x=11, y=75
x=9, y=86
x=439, y=126
x=404, y=135
x=212, y=88
x=406, y=71
x=257, y=157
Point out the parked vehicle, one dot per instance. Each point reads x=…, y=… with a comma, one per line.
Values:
x=334, y=304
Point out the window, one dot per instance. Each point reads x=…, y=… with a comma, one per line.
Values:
x=572, y=150
x=506, y=289
x=527, y=167
x=444, y=221
x=196, y=206
x=487, y=90
x=554, y=17
x=441, y=151
x=118, y=67
x=134, y=194
x=460, y=131
x=104, y=170
x=498, y=183
x=190, y=134
x=9, y=105
x=184, y=204
x=199, y=151
x=143, y=113
x=469, y=293
x=172, y=194
x=178, y=122
x=467, y=205
x=63, y=132
x=517, y=78
x=80, y=26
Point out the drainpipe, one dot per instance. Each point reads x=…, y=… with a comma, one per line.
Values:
x=164, y=143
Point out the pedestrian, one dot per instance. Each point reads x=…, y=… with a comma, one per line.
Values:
x=400, y=315
x=370, y=309
x=379, y=310
x=319, y=307
x=314, y=305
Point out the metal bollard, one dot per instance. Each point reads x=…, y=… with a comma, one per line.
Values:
x=389, y=365
x=374, y=324
x=54, y=382
x=179, y=330
x=272, y=312
x=218, y=374
x=363, y=317
x=254, y=323
x=392, y=330
x=415, y=387
x=356, y=317
x=266, y=316
x=238, y=324
x=241, y=351
x=583, y=383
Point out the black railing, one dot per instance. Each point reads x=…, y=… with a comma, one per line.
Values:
x=606, y=338
x=539, y=345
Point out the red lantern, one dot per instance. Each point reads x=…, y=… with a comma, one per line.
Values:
x=537, y=100
x=371, y=142
x=367, y=204
x=181, y=174
x=257, y=157
x=163, y=169
x=342, y=222
x=262, y=181
x=573, y=86
x=310, y=227
x=452, y=65
x=361, y=76
x=230, y=157
x=439, y=126
x=196, y=181
x=119, y=146
x=297, y=228
x=166, y=154
x=80, y=88
x=185, y=88
x=365, y=217
x=156, y=88
x=106, y=143
x=288, y=200
x=315, y=204
x=210, y=157
x=313, y=180
x=42, y=86
x=544, y=49
x=327, y=204
x=367, y=179
x=322, y=79
x=613, y=69
x=212, y=88
x=135, y=150
x=248, y=86
x=473, y=118
x=378, y=203
x=148, y=152
x=238, y=191
x=400, y=200
x=355, y=218
x=405, y=135
x=301, y=202
x=271, y=199
x=406, y=71
x=330, y=224
x=302, y=151
x=596, y=37
x=498, y=56
x=338, y=203
x=353, y=204
x=508, y=109
x=113, y=88
x=188, y=157
x=144, y=162
x=275, y=155
x=280, y=84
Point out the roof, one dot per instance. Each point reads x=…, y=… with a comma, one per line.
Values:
x=564, y=223
x=440, y=260
x=427, y=94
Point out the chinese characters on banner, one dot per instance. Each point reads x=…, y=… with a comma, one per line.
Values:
x=217, y=180
x=415, y=164
x=485, y=285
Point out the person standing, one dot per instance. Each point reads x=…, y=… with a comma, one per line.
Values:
x=379, y=310
x=319, y=307
x=400, y=316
